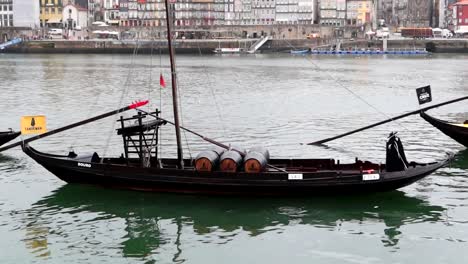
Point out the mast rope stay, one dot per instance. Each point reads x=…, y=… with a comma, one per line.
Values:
x=91, y=110
x=124, y=92
x=347, y=89
x=179, y=95
x=213, y=95
x=160, y=102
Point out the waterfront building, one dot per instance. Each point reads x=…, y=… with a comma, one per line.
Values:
x=19, y=13
x=207, y=13
x=243, y=12
x=263, y=12
x=51, y=13
x=333, y=12
x=442, y=13
x=229, y=12
x=137, y=13
x=359, y=12
x=26, y=13
x=187, y=13
x=460, y=12
x=6, y=13
x=80, y=3
x=296, y=12
x=95, y=11
x=420, y=13
x=111, y=12
x=407, y=13
x=451, y=16
x=75, y=17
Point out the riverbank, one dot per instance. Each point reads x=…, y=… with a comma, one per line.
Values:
x=146, y=46
x=207, y=46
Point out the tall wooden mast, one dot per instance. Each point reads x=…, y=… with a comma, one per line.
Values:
x=180, y=161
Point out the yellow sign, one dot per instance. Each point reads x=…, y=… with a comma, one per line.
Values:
x=33, y=125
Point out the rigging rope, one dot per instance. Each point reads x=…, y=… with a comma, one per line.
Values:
x=124, y=92
x=160, y=102
x=181, y=112
x=150, y=81
x=210, y=86
x=91, y=110
x=347, y=89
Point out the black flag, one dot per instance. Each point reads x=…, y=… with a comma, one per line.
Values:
x=424, y=94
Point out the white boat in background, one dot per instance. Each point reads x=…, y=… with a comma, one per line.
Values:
x=228, y=50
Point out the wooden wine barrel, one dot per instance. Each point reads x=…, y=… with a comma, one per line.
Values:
x=206, y=161
x=256, y=160
x=230, y=161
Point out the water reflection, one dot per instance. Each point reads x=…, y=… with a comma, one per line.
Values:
x=147, y=217
x=10, y=164
x=461, y=160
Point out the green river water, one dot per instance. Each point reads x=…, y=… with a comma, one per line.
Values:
x=276, y=100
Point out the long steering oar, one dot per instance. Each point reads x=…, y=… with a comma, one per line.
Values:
x=55, y=131
x=388, y=120
x=212, y=141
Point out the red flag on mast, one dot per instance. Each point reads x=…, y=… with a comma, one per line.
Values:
x=161, y=81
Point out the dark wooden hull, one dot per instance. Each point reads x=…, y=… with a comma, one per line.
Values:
x=457, y=133
x=7, y=136
x=342, y=180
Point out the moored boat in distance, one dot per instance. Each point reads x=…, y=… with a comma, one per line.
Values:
x=6, y=136
x=457, y=131
x=304, y=51
x=229, y=51
x=416, y=51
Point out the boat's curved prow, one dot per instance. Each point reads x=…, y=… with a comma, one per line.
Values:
x=7, y=136
x=457, y=132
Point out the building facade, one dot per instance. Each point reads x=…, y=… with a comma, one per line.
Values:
x=407, y=13
x=6, y=13
x=50, y=13
x=461, y=17
x=333, y=12
x=207, y=13
x=95, y=11
x=26, y=13
x=296, y=12
x=359, y=12
x=19, y=13
x=111, y=12
x=75, y=17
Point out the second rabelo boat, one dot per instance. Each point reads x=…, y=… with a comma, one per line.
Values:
x=457, y=131
x=6, y=136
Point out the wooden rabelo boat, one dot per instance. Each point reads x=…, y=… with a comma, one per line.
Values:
x=458, y=132
x=7, y=136
x=224, y=170
x=228, y=171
